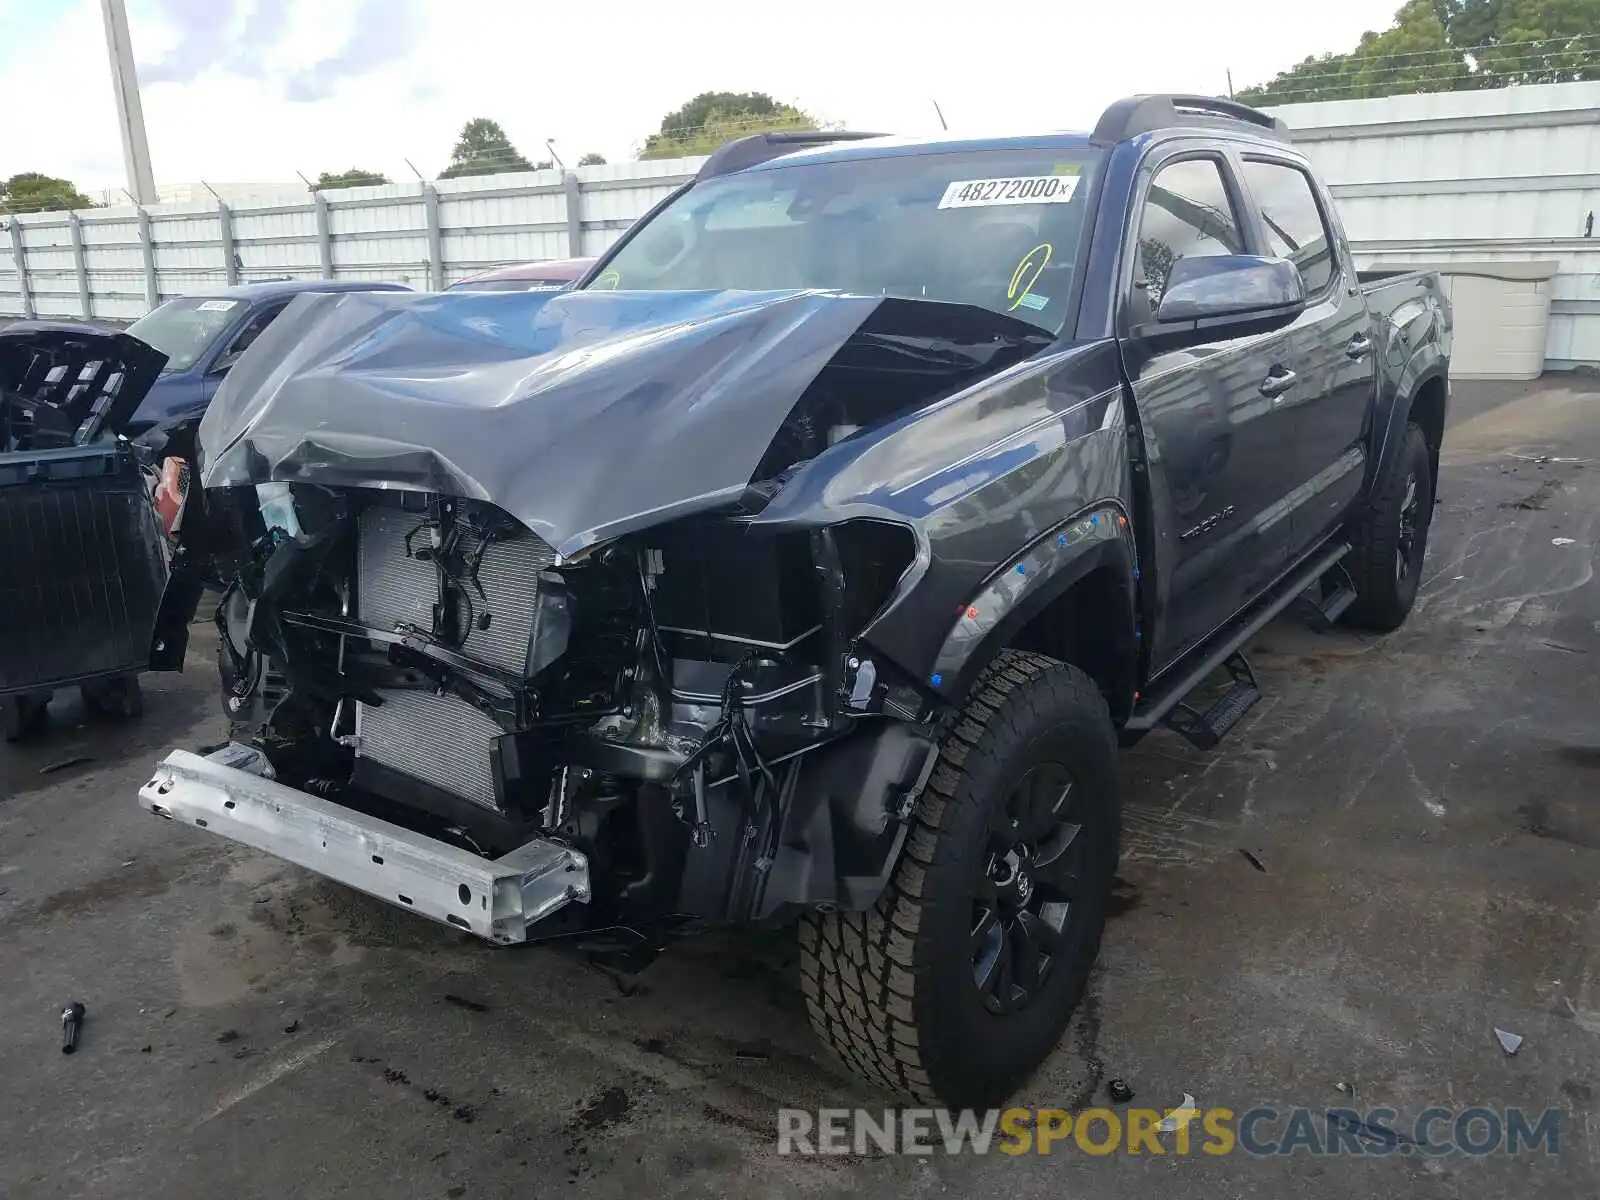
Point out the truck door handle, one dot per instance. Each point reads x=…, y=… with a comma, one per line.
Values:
x=1360, y=346
x=1278, y=382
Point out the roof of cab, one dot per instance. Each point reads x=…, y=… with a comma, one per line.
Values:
x=1128, y=119
x=897, y=147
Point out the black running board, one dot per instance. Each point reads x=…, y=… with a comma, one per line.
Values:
x=1204, y=730
x=1153, y=709
x=1337, y=593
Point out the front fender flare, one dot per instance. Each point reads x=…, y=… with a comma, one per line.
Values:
x=1026, y=585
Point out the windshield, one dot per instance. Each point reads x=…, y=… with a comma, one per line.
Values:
x=1000, y=229
x=183, y=329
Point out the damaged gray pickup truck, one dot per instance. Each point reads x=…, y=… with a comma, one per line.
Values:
x=810, y=559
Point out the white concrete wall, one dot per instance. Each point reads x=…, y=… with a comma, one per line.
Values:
x=1506, y=176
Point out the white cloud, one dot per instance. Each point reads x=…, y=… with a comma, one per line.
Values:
x=600, y=76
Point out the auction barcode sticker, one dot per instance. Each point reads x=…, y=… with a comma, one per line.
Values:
x=1019, y=189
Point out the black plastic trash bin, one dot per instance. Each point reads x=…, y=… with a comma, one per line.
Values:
x=83, y=558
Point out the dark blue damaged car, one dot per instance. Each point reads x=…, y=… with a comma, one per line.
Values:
x=809, y=559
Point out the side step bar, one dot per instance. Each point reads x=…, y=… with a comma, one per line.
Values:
x=1338, y=593
x=230, y=793
x=1223, y=715
x=1203, y=730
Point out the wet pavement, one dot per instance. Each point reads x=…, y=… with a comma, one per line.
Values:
x=1421, y=816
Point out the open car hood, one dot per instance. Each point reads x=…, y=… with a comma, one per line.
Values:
x=582, y=414
x=68, y=384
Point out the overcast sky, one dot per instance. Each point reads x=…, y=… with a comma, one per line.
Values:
x=255, y=90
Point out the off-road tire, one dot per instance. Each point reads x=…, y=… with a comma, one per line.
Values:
x=891, y=990
x=1383, y=596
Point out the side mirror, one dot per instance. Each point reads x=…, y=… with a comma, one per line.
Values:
x=1231, y=287
x=225, y=364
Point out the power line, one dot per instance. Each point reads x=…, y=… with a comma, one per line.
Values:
x=1459, y=51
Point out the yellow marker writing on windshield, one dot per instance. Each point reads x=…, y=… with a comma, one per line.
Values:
x=610, y=281
x=1027, y=273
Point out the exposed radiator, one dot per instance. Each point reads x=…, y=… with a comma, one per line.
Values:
x=395, y=587
x=443, y=740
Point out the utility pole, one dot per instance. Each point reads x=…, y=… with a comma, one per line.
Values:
x=130, y=113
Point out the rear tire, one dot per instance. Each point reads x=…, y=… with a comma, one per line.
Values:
x=930, y=993
x=21, y=717
x=1390, y=540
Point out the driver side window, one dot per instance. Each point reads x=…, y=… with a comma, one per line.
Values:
x=1187, y=214
x=253, y=329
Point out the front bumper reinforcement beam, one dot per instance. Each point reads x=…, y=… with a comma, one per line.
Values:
x=496, y=899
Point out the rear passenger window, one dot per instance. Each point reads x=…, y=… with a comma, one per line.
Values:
x=1187, y=214
x=1295, y=228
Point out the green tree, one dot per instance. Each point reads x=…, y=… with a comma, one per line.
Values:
x=592, y=159
x=1452, y=45
x=354, y=177
x=712, y=119
x=30, y=191
x=1541, y=41
x=483, y=149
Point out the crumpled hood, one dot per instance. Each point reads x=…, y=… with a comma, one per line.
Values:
x=78, y=380
x=584, y=415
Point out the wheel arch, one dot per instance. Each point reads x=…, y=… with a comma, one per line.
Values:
x=1425, y=401
x=1071, y=596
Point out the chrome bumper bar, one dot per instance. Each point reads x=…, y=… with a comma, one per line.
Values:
x=496, y=899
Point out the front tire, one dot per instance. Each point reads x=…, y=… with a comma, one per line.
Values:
x=961, y=979
x=119, y=698
x=1391, y=539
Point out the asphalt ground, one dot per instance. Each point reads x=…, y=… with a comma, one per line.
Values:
x=1422, y=824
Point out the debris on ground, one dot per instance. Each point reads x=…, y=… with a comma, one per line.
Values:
x=145, y=1049
x=1563, y=541
x=1536, y=500
x=463, y=1002
x=74, y=761
x=71, y=1025
x=750, y=1054
x=1184, y=1113
x=1509, y=1042
x=1376, y=1134
x=226, y=1036
x=292, y=1027
x=1119, y=1091
x=1253, y=860
x=1347, y=1088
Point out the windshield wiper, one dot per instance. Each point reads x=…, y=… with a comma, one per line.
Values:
x=943, y=352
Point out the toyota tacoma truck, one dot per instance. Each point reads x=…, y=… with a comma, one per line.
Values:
x=809, y=560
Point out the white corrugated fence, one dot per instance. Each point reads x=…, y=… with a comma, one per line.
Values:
x=116, y=263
